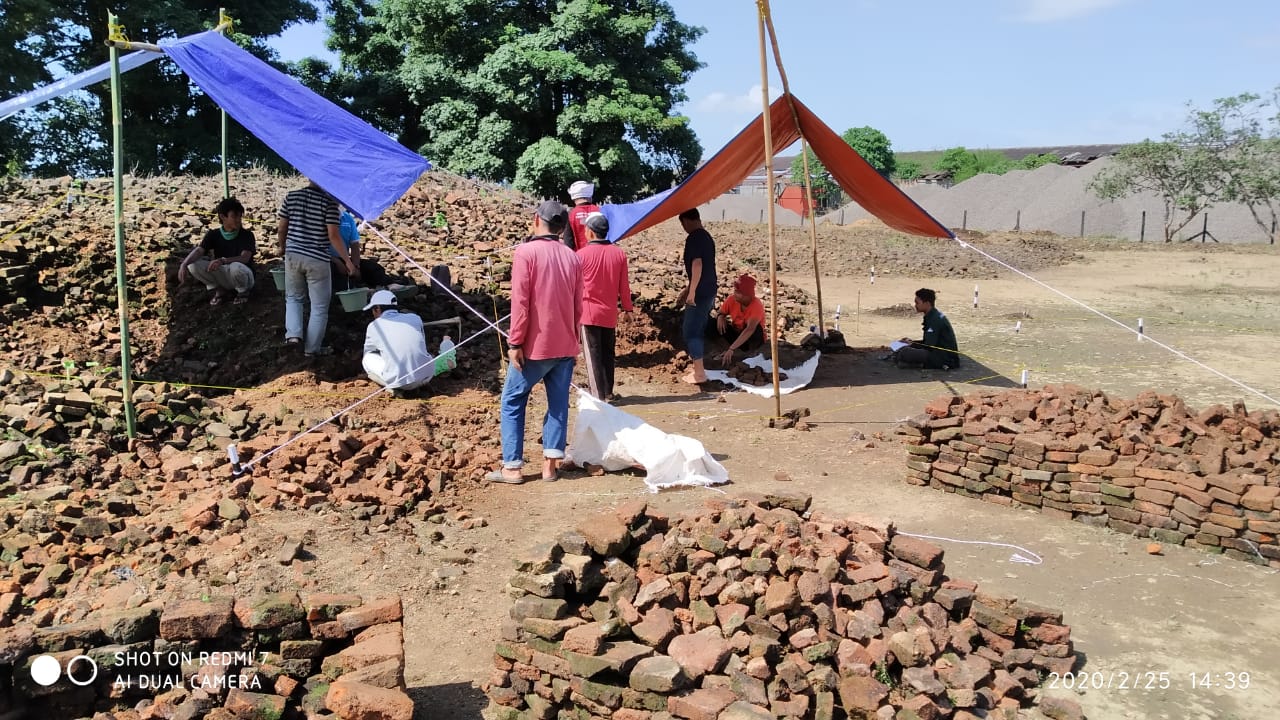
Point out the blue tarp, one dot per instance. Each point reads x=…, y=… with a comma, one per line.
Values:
x=362, y=167
x=75, y=82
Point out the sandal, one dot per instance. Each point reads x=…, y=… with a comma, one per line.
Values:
x=217, y=298
x=241, y=299
x=293, y=342
x=497, y=476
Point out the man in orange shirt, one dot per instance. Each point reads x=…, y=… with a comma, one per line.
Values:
x=740, y=321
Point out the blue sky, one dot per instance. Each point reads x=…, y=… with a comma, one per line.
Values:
x=934, y=74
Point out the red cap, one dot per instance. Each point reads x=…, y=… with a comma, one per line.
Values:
x=745, y=285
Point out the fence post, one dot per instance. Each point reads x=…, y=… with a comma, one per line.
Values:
x=1142, y=231
x=761, y=214
x=1081, y=223
x=722, y=214
x=1273, y=231
x=842, y=216
x=1204, y=231
x=964, y=224
x=1017, y=224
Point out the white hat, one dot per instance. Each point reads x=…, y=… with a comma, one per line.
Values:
x=582, y=189
x=382, y=298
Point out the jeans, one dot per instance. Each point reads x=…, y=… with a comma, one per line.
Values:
x=695, y=327
x=555, y=374
x=307, y=275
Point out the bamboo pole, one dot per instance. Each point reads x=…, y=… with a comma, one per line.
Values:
x=122, y=290
x=762, y=7
x=804, y=155
x=223, y=25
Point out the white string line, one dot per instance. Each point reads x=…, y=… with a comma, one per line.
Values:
x=1016, y=557
x=434, y=284
x=1104, y=316
x=246, y=466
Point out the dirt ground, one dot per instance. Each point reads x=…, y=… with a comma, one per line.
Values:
x=1183, y=613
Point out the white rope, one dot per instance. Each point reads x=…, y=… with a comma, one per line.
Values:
x=1108, y=318
x=246, y=466
x=1016, y=557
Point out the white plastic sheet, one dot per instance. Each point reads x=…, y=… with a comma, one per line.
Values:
x=607, y=436
x=797, y=377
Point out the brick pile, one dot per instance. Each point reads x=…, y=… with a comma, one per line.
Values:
x=755, y=609
x=1148, y=466
x=323, y=656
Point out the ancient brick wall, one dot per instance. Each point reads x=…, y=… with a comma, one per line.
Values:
x=1148, y=466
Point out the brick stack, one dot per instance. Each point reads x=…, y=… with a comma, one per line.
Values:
x=333, y=656
x=1147, y=466
x=754, y=609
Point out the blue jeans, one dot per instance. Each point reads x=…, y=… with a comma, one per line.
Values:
x=555, y=374
x=306, y=277
x=695, y=327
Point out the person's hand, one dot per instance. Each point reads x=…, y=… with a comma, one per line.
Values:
x=217, y=263
x=625, y=317
x=351, y=268
x=516, y=356
x=182, y=273
x=684, y=294
x=726, y=357
x=720, y=323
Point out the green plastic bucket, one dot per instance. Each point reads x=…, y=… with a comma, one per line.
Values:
x=354, y=300
x=277, y=275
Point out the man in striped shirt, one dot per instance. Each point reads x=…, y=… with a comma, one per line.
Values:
x=308, y=228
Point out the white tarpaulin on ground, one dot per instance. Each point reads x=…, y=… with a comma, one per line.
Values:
x=797, y=377
x=607, y=436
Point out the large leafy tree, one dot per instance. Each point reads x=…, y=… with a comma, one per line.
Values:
x=169, y=126
x=532, y=90
x=871, y=144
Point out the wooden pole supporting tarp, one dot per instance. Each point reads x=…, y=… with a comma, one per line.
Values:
x=224, y=24
x=804, y=155
x=122, y=290
x=762, y=6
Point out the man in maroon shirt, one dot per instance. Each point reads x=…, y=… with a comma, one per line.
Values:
x=580, y=193
x=546, y=309
x=604, y=284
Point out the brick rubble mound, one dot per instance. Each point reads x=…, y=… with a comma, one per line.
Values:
x=755, y=609
x=1147, y=466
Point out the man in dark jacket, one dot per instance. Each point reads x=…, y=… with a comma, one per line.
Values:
x=937, y=350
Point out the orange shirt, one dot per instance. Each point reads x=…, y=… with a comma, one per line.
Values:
x=739, y=315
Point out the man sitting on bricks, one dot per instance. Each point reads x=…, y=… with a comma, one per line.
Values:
x=223, y=260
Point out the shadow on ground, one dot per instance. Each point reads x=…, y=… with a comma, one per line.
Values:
x=450, y=701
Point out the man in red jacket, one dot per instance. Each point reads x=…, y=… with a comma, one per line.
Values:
x=604, y=285
x=546, y=309
x=580, y=193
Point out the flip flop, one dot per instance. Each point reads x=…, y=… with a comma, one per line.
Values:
x=216, y=299
x=497, y=476
x=293, y=342
x=552, y=477
x=241, y=299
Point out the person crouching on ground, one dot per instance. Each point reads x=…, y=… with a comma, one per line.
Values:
x=230, y=271
x=395, y=347
x=700, y=296
x=604, y=285
x=937, y=350
x=546, y=309
x=740, y=321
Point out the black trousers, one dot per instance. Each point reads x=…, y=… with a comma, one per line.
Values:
x=598, y=350
x=731, y=333
x=371, y=275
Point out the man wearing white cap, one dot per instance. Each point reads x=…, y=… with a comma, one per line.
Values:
x=575, y=235
x=395, y=348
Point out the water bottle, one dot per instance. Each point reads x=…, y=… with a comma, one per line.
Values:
x=448, y=358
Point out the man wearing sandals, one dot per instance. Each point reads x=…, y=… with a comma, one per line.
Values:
x=308, y=227
x=223, y=260
x=546, y=309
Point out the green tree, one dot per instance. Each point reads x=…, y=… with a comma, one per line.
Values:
x=964, y=164
x=1253, y=137
x=169, y=126
x=871, y=144
x=542, y=168
x=908, y=170
x=1192, y=168
x=1033, y=161
x=601, y=77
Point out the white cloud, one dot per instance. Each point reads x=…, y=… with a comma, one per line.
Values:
x=1047, y=11
x=748, y=102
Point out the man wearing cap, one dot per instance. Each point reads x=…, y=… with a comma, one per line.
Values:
x=740, y=321
x=395, y=347
x=700, y=296
x=580, y=193
x=546, y=309
x=604, y=285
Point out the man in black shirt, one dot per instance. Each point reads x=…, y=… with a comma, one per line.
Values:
x=700, y=295
x=229, y=270
x=937, y=350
